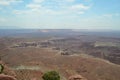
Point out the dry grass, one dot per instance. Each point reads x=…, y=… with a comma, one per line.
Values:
x=28, y=74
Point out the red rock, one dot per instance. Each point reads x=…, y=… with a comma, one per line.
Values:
x=6, y=77
x=76, y=77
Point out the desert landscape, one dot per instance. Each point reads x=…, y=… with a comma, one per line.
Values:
x=30, y=55
x=59, y=39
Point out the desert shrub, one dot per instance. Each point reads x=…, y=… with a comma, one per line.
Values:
x=1, y=68
x=51, y=75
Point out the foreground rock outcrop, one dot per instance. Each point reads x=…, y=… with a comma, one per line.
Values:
x=7, y=73
x=7, y=70
x=6, y=77
x=77, y=77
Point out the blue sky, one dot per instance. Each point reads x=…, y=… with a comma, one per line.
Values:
x=60, y=14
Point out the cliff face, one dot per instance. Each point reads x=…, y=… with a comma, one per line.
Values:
x=7, y=73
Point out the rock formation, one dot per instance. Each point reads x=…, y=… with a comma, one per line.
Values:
x=6, y=77
x=76, y=77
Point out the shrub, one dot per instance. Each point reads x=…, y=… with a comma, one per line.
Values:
x=1, y=68
x=51, y=75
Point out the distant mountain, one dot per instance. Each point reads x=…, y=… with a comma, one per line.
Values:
x=56, y=32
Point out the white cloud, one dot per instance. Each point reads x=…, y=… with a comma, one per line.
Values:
x=81, y=12
x=53, y=12
x=4, y=3
x=70, y=0
x=18, y=12
x=9, y=2
x=79, y=7
x=38, y=12
x=27, y=12
x=38, y=1
x=33, y=6
x=60, y=7
x=111, y=15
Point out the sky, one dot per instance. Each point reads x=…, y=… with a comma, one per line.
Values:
x=60, y=14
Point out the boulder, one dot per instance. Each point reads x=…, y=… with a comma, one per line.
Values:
x=76, y=77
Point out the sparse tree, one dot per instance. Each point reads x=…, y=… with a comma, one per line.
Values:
x=1, y=68
x=51, y=75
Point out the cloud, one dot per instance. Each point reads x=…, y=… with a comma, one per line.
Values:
x=33, y=6
x=34, y=11
x=18, y=12
x=110, y=15
x=79, y=7
x=80, y=12
x=4, y=3
x=9, y=2
x=70, y=0
x=38, y=1
x=53, y=7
